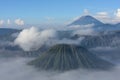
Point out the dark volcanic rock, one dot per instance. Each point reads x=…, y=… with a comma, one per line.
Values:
x=64, y=57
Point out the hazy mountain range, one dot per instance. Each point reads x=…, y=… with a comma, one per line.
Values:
x=109, y=36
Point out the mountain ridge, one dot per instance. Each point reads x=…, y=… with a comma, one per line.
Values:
x=85, y=20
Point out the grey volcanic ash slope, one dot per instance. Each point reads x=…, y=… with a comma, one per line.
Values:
x=64, y=57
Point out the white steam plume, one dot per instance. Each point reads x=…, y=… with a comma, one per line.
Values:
x=33, y=39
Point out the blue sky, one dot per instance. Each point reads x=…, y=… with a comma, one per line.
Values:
x=35, y=11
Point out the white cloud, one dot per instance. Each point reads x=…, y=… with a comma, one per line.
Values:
x=69, y=41
x=77, y=27
x=33, y=38
x=86, y=12
x=85, y=31
x=106, y=18
x=8, y=21
x=1, y=22
x=19, y=22
x=117, y=14
x=103, y=16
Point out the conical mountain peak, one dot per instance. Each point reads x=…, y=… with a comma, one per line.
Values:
x=85, y=20
x=64, y=57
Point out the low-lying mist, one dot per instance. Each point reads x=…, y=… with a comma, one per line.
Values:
x=17, y=69
x=109, y=53
x=33, y=38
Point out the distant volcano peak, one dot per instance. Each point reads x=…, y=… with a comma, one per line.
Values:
x=85, y=20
